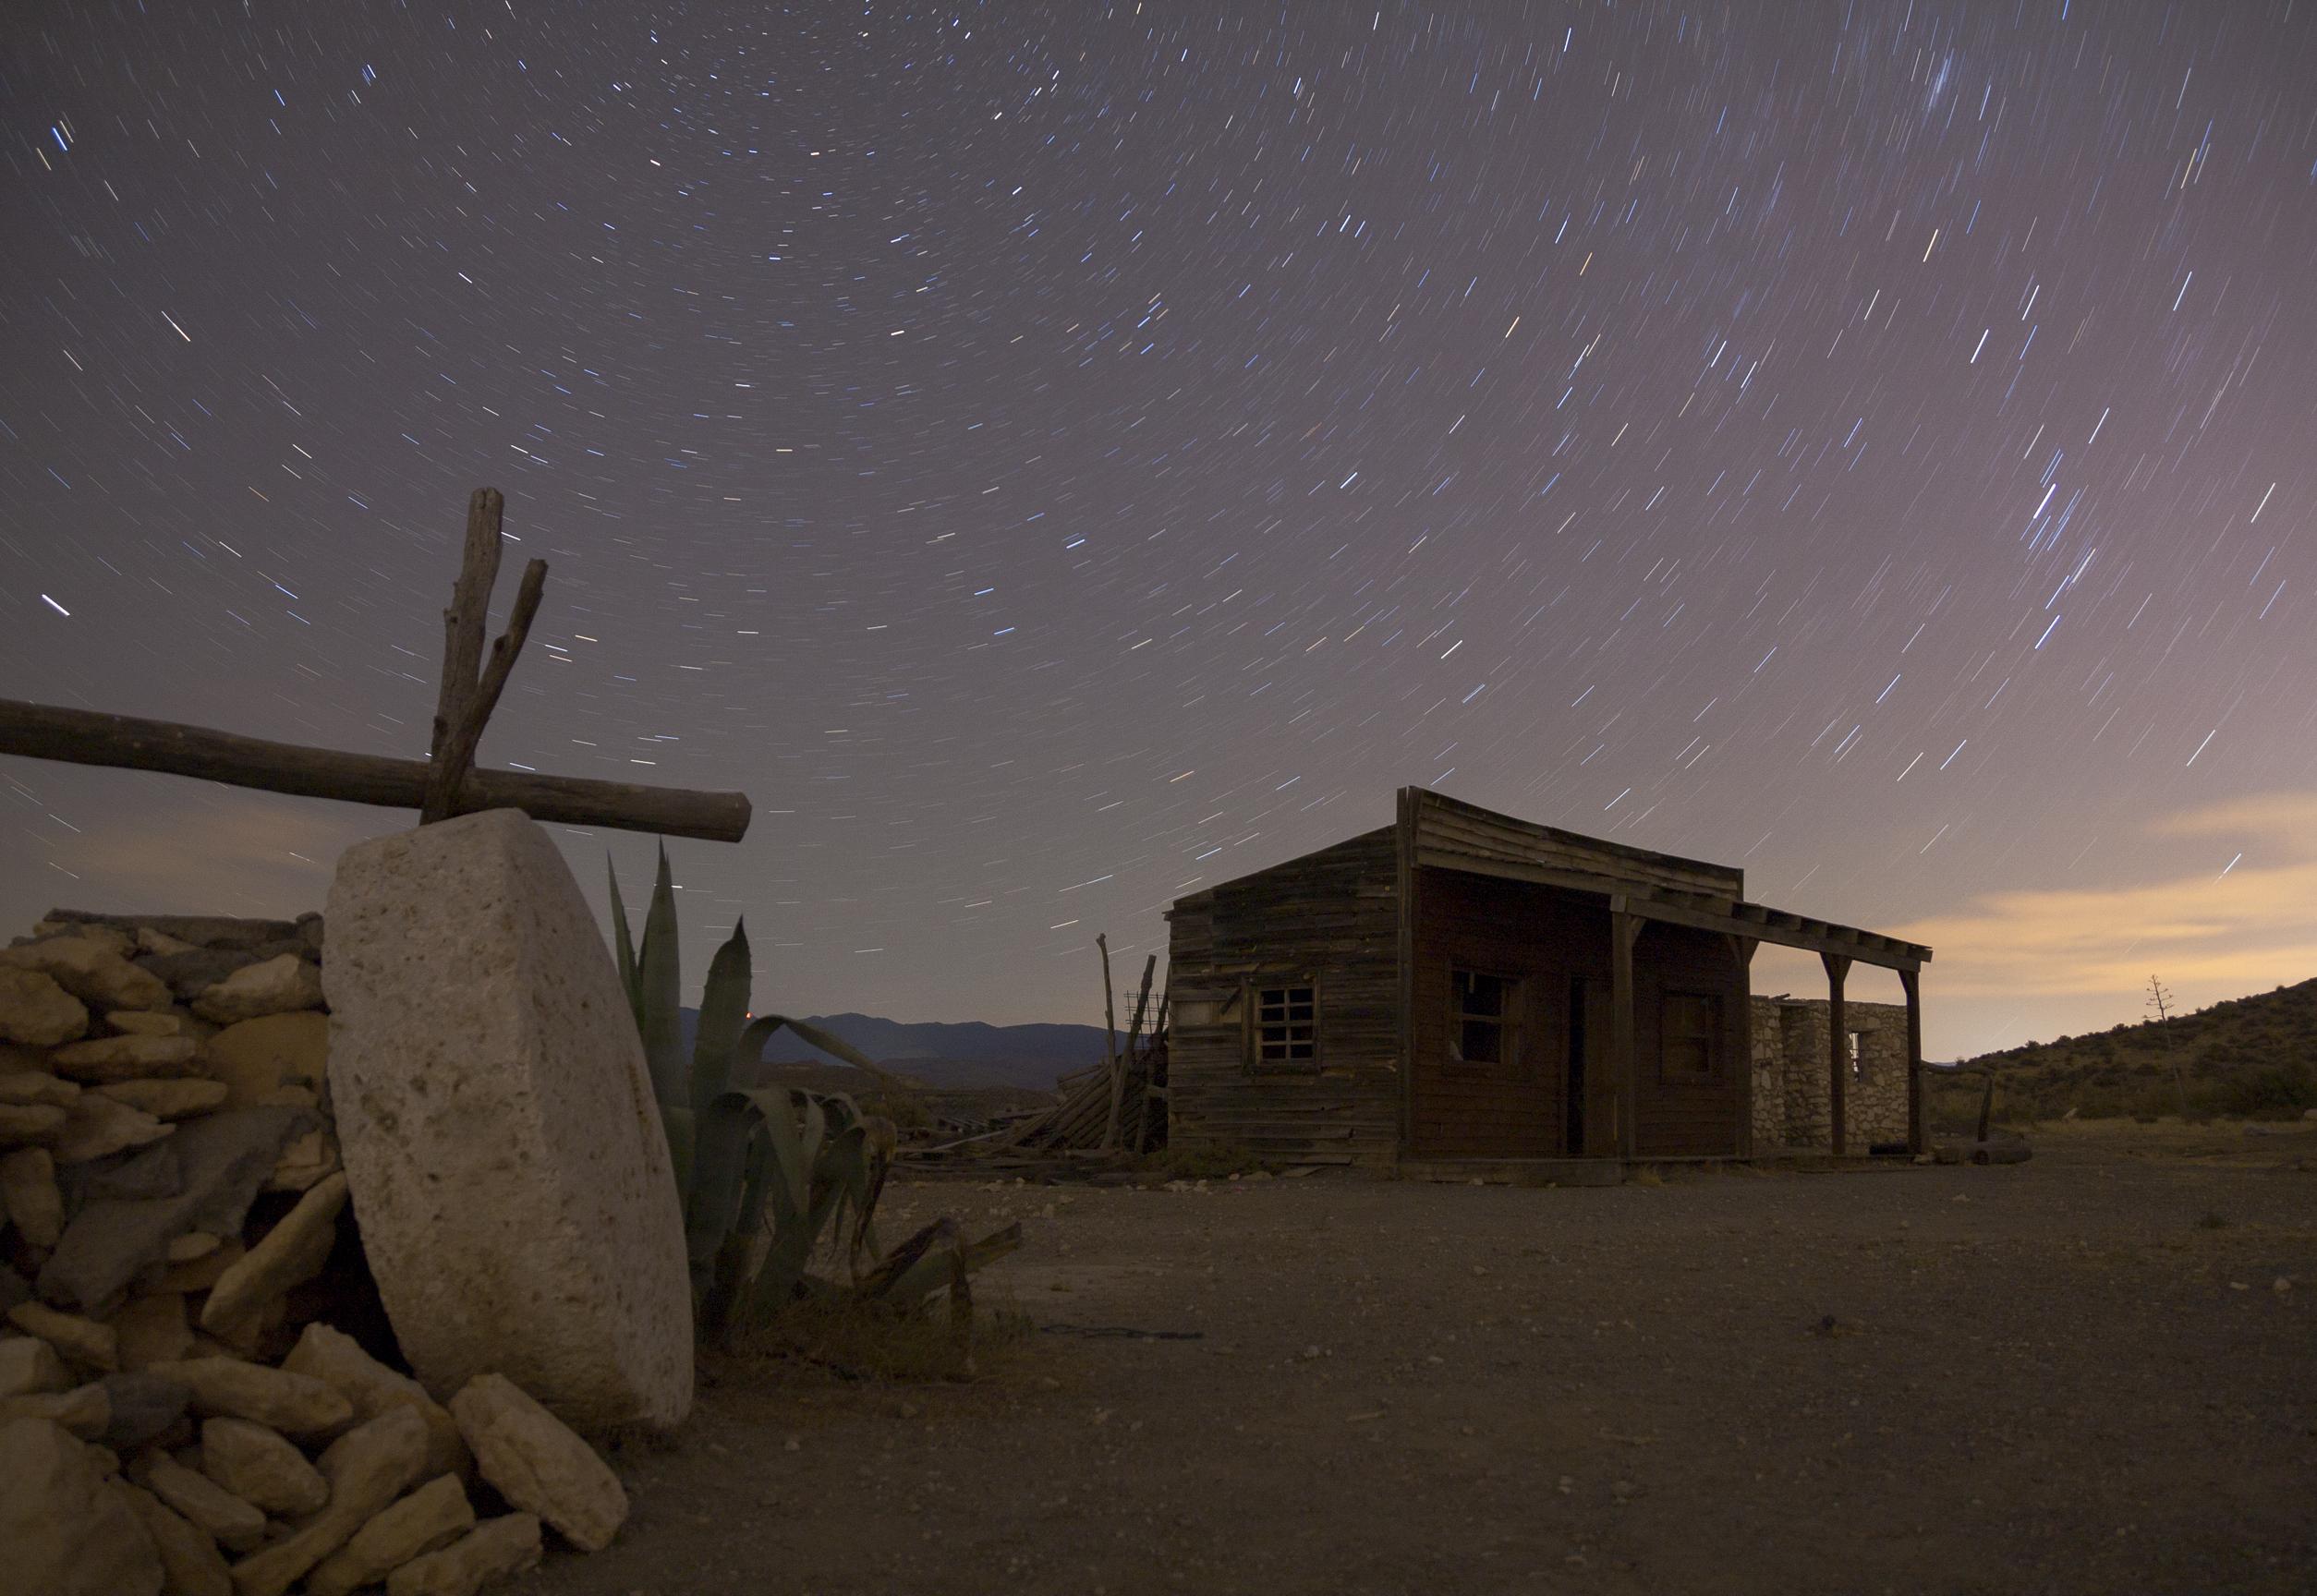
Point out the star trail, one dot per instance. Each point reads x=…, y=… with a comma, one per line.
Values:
x=1057, y=458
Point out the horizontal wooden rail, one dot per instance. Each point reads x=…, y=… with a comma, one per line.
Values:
x=126, y=743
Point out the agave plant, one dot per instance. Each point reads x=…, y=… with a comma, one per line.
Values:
x=769, y=1175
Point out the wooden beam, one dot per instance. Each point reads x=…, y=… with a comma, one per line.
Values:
x=129, y=742
x=1625, y=929
x=1404, y=891
x=1837, y=1049
x=1912, y=980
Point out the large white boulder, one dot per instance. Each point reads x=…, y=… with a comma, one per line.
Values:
x=509, y=1172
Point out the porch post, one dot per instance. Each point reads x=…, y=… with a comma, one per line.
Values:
x=1624, y=929
x=1837, y=1049
x=1912, y=980
x=1742, y=949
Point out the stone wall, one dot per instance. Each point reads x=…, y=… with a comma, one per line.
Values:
x=1792, y=1105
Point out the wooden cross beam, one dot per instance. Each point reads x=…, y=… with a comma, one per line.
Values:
x=439, y=788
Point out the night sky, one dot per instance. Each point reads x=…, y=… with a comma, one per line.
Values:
x=1057, y=458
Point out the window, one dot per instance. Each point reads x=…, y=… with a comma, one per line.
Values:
x=1286, y=1027
x=1484, y=1019
x=1690, y=1034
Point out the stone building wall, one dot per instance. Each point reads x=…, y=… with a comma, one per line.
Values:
x=1793, y=1105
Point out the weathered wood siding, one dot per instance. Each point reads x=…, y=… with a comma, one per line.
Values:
x=1682, y=1117
x=1548, y=938
x=1329, y=919
x=1451, y=826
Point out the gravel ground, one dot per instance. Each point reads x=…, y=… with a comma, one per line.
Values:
x=2097, y=1371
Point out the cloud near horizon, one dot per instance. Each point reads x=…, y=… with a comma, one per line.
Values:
x=2208, y=935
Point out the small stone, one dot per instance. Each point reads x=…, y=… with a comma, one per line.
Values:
x=29, y=1196
x=278, y=985
x=367, y=1468
x=193, y=972
x=77, y=1340
x=294, y=1404
x=152, y=1329
x=29, y=1367
x=67, y=1534
x=429, y=1519
x=144, y=1407
x=110, y=1059
x=37, y=1012
x=168, y=1099
x=90, y=972
x=329, y=1355
x=97, y=1127
x=539, y=1463
x=311, y=1157
x=84, y=1410
x=495, y=1550
x=189, y=1559
x=31, y=1122
x=203, y=1270
x=26, y=1087
x=256, y=1465
x=111, y=938
x=153, y=939
x=219, y=1513
x=257, y=1059
x=160, y=1023
x=290, y=1254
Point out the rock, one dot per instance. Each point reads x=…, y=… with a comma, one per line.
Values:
x=191, y=1245
x=200, y=1273
x=34, y=1010
x=67, y=1534
x=219, y=1513
x=538, y=1463
x=98, y=1127
x=155, y=1172
x=221, y=1160
x=29, y=1367
x=144, y=1407
x=153, y=939
x=367, y=1468
x=24, y=1088
x=508, y=1164
x=13, y=1288
x=90, y=972
x=431, y=1516
x=28, y=1195
x=77, y=1340
x=256, y=1465
x=257, y=1058
x=243, y=1337
x=84, y=1411
x=310, y=926
x=278, y=1398
x=33, y=1122
x=495, y=1550
x=152, y=1329
x=189, y=1560
x=305, y=1160
x=160, y=1023
x=168, y=1099
x=189, y=974
x=334, y=1358
x=277, y=986
x=112, y=939
x=290, y=1254
x=108, y=1059
x=202, y=930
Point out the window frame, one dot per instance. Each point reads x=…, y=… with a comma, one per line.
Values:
x=1511, y=1060
x=1254, y=1042
x=1715, y=1036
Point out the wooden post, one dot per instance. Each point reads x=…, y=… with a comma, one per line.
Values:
x=1837, y=1049
x=1126, y=1059
x=1912, y=980
x=1624, y=931
x=1742, y=949
x=1109, y=1036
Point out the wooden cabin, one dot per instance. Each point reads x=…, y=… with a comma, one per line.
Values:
x=1465, y=985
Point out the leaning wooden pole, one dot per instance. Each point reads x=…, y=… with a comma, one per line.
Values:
x=1126, y=1060
x=129, y=742
x=1110, y=1038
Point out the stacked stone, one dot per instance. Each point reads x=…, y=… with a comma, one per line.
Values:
x=174, y=1414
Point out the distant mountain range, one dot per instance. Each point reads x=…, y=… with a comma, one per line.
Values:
x=2247, y=1056
x=964, y=1054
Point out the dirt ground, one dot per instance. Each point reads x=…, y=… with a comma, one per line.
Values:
x=2097, y=1371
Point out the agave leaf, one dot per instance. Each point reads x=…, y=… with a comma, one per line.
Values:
x=732, y=1177
x=740, y=1252
x=910, y=1276
x=682, y=1129
x=658, y=981
x=622, y=945
x=828, y=1042
x=724, y=1011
